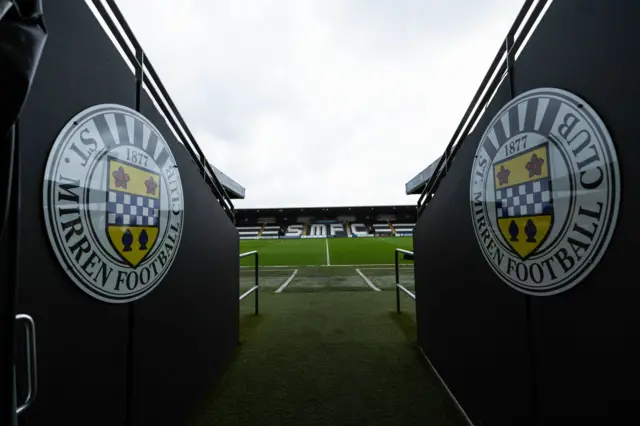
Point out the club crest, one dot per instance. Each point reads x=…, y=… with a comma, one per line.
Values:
x=524, y=204
x=113, y=203
x=544, y=191
x=133, y=210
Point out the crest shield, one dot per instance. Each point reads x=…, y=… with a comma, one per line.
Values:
x=524, y=204
x=133, y=202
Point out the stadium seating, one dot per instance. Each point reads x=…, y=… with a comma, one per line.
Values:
x=294, y=230
x=327, y=222
x=382, y=229
x=359, y=229
x=249, y=232
x=325, y=230
x=403, y=229
x=270, y=231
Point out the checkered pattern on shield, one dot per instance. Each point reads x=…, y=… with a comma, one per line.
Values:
x=127, y=209
x=133, y=209
x=524, y=202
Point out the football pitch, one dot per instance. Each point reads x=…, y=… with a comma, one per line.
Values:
x=326, y=251
x=326, y=264
x=328, y=347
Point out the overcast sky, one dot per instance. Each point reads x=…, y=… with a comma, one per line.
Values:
x=321, y=102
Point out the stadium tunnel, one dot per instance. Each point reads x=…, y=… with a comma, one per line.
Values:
x=507, y=357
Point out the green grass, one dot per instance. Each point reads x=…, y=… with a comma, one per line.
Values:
x=329, y=359
x=301, y=252
x=367, y=251
x=313, y=251
x=328, y=349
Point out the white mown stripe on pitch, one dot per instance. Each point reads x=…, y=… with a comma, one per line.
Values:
x=326, y=241
x=367, y=280
x=286, y=283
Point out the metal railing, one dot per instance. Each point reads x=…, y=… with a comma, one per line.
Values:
x=398, y=285
x=500, y=69
x=147, y=77
x=256, y=287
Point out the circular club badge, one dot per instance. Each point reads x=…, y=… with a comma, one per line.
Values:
x=545, y=191
x=113, y=203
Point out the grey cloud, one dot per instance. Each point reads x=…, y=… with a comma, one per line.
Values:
x=327, y=102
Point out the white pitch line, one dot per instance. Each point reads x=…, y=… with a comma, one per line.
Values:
x=286, y=283
x=328, y=258
x=367, y=280
x=408, y=267
x=362, y=265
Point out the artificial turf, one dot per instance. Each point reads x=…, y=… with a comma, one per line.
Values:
x=328, y=358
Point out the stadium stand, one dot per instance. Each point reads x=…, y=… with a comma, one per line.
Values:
x=328, y=222
x=382, y=229
x=271, y=231
x=294, y=231
x=403, y=229
x=249, y=232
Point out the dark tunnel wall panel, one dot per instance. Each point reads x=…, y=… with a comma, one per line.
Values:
x=586, y=338
x=81, y=342
x=472, y=326
x=187, y=328
x=583, y=351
